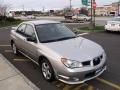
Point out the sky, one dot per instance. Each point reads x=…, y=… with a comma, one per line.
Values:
x=48, y=4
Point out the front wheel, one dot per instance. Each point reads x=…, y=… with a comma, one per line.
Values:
x=75, y=20
x=47, y=70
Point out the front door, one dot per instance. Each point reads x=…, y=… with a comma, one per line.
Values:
x=30, y=47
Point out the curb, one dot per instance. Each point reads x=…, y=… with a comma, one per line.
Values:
x=33, y=86
x=5, y=27
x=86, y=23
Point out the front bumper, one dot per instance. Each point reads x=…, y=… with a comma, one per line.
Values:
x=77, y=78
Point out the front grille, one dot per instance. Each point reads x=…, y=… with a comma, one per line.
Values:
x=97, y=60
x=86, y=63
x=93, y=62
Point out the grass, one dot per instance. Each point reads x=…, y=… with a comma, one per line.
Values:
x=9, y=23
x=89, y=29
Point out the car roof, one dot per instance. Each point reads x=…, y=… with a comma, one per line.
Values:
x=37, y=22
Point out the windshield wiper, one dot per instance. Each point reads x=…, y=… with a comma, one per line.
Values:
x=55, y=40
x=65, y=38
x=47, y=41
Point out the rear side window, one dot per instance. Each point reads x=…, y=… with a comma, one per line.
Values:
x=21, y=29
x=29, y=32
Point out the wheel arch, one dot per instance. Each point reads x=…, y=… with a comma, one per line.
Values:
x=41, y=59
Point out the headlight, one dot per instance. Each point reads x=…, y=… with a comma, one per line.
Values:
x=71, y=63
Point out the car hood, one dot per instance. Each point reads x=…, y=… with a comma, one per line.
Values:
x=79, y=49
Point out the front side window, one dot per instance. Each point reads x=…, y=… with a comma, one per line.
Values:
x=29, y=32
x=53, y=32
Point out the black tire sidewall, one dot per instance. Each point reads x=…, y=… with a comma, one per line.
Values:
x=51, y=70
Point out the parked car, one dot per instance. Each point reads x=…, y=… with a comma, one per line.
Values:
x=68, y=15
x=113, y=25
x=60, y=53
x=31, y=17
x=81, y=17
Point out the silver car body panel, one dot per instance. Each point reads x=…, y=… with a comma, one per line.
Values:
x=76, y=49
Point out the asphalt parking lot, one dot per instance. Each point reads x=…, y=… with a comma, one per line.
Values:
x=109, y=80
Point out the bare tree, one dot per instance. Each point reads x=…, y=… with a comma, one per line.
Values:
x=3, y=9
x=84, y=11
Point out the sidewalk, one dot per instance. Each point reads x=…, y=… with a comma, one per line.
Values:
x=11, y=78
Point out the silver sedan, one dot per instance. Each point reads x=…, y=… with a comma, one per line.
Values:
x=58, y=51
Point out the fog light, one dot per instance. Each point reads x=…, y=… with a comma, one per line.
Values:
x=65, y=77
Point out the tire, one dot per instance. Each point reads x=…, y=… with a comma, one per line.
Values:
x=85, y=20
x=47, y=70
x=75, y=20
x=107, y=31
x=14, y=48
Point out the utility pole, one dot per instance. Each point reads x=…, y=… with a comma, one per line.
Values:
x=91, y=13
x=93, y=7
x=118, y=7
x=70, y=5
x=23, y=8
x=23, y=12
x=43, y=9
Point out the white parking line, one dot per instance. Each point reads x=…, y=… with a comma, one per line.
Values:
x=5, y=45
x=109, y=83
x=8, y=51
x=21, y=59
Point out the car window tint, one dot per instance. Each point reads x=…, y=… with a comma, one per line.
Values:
x=30, y=31
x=21, y=29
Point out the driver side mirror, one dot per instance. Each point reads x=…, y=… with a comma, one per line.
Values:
x=32, y=39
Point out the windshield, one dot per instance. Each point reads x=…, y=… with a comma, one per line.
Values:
x=116, y=19
x=53, y=32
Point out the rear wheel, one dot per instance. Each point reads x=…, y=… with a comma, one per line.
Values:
x=108, y=31
x=85, y=19
x=14, y=48
x=47, y=70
